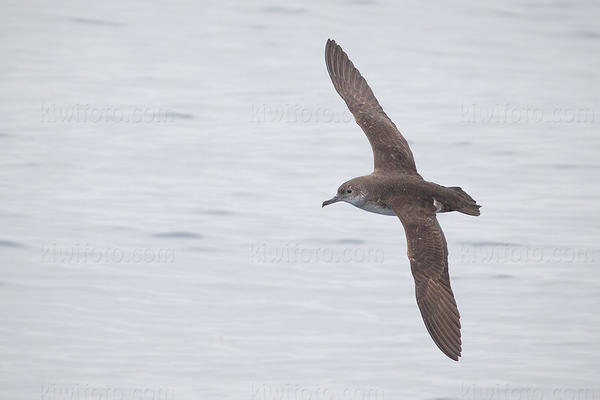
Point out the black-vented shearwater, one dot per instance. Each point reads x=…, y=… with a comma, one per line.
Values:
x=396, y=188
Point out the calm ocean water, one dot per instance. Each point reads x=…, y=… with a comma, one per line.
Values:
x=162, y=168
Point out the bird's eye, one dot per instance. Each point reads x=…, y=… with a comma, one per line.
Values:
x=349, y=191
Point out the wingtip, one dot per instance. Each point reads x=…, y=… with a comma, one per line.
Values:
x=451, y=355
x=328, y=45
x=331, y=43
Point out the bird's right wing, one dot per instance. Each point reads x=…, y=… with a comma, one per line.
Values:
x=428, y=255
x=390, y=150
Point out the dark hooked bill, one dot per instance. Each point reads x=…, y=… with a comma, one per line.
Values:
x=332, y=200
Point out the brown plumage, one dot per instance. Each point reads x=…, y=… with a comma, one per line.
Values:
x=390, y=149
x=395, y=188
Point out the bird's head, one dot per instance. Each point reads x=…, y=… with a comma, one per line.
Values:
x=352, y=192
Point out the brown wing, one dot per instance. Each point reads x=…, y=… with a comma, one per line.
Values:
x=390, y=149
x=428, y=255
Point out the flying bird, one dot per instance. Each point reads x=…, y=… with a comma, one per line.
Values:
x=396, y=188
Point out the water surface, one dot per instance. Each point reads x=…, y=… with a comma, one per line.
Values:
x=163, y=166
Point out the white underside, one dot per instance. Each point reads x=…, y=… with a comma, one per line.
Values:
x=376, y=208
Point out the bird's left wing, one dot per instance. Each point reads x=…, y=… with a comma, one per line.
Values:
x=390, y=150
x=428, y=255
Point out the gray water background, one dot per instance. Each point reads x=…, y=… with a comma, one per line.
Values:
x=187, y=251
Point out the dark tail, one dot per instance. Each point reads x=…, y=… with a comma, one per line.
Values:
x=468, y=205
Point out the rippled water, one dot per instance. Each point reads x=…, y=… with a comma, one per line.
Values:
x=162, y=168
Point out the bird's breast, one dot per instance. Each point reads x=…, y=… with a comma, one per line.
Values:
x=376, y=208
